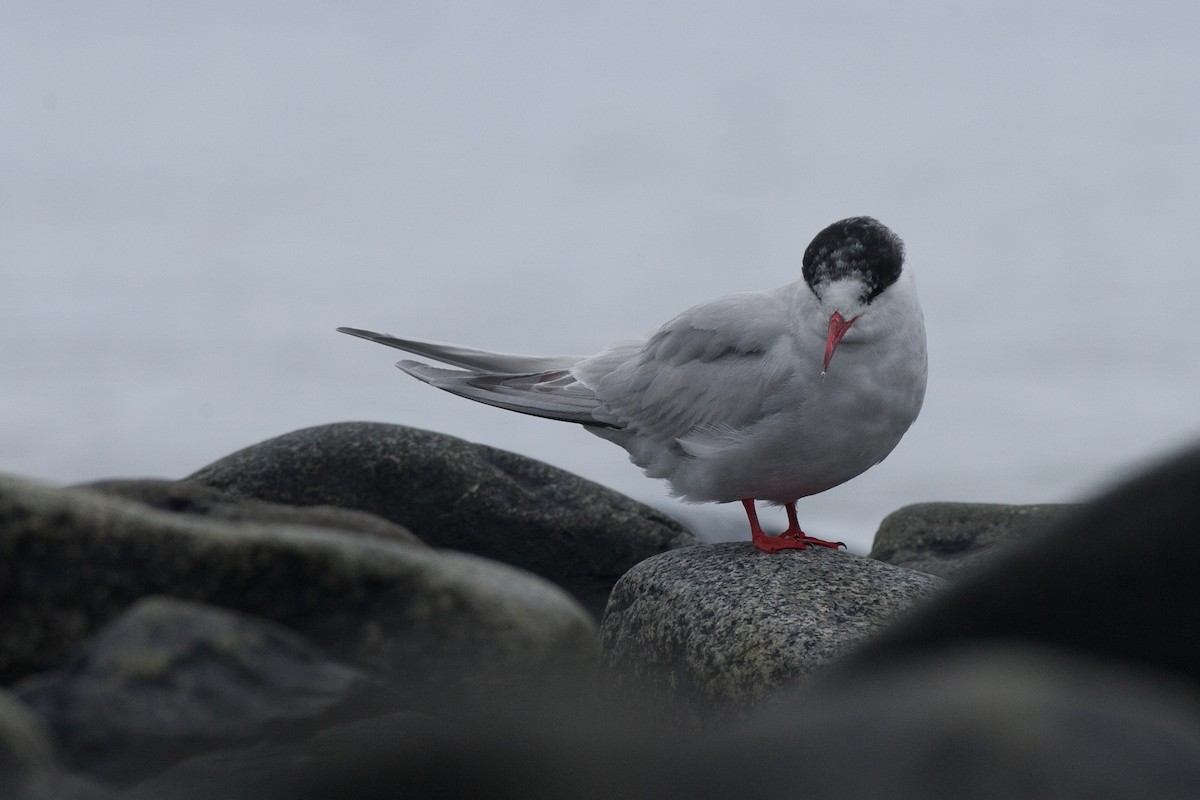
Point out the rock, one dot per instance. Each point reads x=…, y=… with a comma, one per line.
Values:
x=722, y=625
x=27, y=764
x=192, y=498
x=990, y=723
x=557, y=747
x=238, y=773
x=948, y=539
x=1116, y=579
x=257, y=772
x=71, y=560
x=72, y=786
x=169, y=678
x=459, y=495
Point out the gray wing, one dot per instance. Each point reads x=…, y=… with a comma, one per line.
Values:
x=539, y=385
x=712, y=370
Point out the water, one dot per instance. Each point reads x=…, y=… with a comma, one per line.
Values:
x=192, y=198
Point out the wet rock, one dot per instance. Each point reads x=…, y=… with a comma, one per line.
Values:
x=459, y=495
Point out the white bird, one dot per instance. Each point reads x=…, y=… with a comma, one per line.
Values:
x=738, y=398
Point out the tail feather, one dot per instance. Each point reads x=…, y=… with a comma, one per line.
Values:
x=542, y=386
x=467, y=357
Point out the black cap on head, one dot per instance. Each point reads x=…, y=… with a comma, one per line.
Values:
x=859, y=247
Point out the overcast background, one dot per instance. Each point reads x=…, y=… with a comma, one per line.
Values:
x=192, y=197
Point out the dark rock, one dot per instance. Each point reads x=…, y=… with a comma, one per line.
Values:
x=459, y=495
x=341, y=755
x=168, y=678
x=948, y=539
x=258, y=771
x=558, y=747
x=183, y=497
x=720, y=626
x=254, y=772
x=72, y=786
x=27, y=764
x=988, y=724
x=73, y=559
x=1116, y=579
x=991, y=724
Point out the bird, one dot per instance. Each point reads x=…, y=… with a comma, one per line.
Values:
x=740, y=398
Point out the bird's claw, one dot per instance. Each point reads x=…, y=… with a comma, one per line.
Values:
x=805, y=539
x=793, y=540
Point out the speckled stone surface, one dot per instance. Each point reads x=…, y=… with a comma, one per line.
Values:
x=456, y=494
x=73, y=559
x=722, y=625
x=949, y=539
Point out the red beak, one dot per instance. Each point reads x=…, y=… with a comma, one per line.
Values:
x=838, y=325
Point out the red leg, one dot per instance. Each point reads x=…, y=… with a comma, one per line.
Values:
x=791, y=539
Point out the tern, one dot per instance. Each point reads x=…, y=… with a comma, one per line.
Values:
x=740, y=398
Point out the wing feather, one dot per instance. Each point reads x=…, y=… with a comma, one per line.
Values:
x=709, y=369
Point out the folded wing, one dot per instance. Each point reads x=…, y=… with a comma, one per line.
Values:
x=712, y=371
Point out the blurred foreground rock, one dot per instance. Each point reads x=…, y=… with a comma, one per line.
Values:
x=456, y=494
x=27, y=762
x=169, y=678
x=1115, y=579
x=988, y=724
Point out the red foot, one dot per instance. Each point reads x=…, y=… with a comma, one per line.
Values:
x=791, y=539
